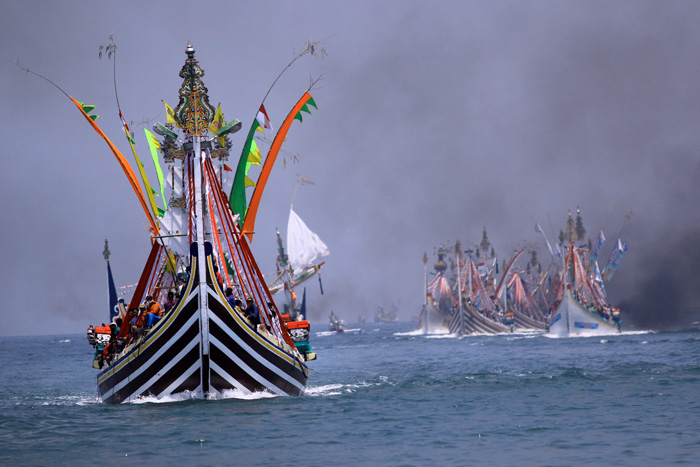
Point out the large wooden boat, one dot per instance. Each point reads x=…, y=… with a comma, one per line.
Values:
x=204, y=344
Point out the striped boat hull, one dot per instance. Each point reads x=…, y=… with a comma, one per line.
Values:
x=177, y=357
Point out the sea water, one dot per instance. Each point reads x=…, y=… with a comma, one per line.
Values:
x=387, y=396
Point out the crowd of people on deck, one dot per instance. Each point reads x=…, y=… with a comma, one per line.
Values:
x=250, y=312
x=604, y=311
x=140, y=320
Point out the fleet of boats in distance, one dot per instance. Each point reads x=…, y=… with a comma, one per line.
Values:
x=567, y=298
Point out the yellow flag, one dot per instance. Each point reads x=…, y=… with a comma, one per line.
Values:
x=170, y=265
x=249, y=181
x=217, y=122
x=171, y=114
x=254, y=157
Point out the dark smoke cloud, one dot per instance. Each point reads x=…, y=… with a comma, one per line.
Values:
x=666, y=295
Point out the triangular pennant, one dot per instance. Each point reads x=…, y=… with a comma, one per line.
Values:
x=249, y=182
x=94, y=117
x=298, y=117
x=312, y=102
x=170, y=114
x=305, y=109
x=88, y=108
x=254, y=156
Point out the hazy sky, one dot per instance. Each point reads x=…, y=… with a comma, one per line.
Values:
x=435, y=120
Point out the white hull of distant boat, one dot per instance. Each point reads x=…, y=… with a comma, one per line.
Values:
x=433, y=320
x=573, y=319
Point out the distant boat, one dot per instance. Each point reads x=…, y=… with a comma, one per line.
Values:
x=527, y=314
x=440, y=302
x=581, y=308
x=298, y=263
x=335, y=323
x=382, y=315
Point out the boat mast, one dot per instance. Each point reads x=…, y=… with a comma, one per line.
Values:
x=458, y=252
x=505, y=295
x=195, y=114
x=471, y=283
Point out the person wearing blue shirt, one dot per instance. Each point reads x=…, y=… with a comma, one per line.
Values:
x=230, y=298
x=252, y=312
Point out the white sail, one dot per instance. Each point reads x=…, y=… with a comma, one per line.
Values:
x=303, y=246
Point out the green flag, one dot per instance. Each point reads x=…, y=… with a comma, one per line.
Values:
x=154, y=144
x=237, y=200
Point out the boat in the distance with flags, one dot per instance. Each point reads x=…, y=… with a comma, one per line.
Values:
x=385, y=315
x=297, y=264
x=580, y=306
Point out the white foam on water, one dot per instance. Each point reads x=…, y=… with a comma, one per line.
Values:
x=238, y=394
x=519, y=336
x=325, y=333
x=417, y=332
x=338, y=389
x=441, y=336
x=179, y=397
x=72, y=400
x=326, y=390
x=63, y=341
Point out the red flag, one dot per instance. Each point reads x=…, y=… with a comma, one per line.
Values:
x=263, y=118
x=227, y=168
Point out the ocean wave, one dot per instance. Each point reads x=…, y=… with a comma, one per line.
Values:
x=213, y=396
x=66, y=400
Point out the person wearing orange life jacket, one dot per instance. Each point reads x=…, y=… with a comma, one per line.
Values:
x=152, y=312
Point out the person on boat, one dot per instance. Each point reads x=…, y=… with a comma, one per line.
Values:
x=238, y=307
x=113, y=329
x=182, y=278
x=252, y=312
x=219, y=278
x=170, y=303
x=131, y=317
x=138, y=320
x=152, y=312
x=110, y=352
x=230, y=298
